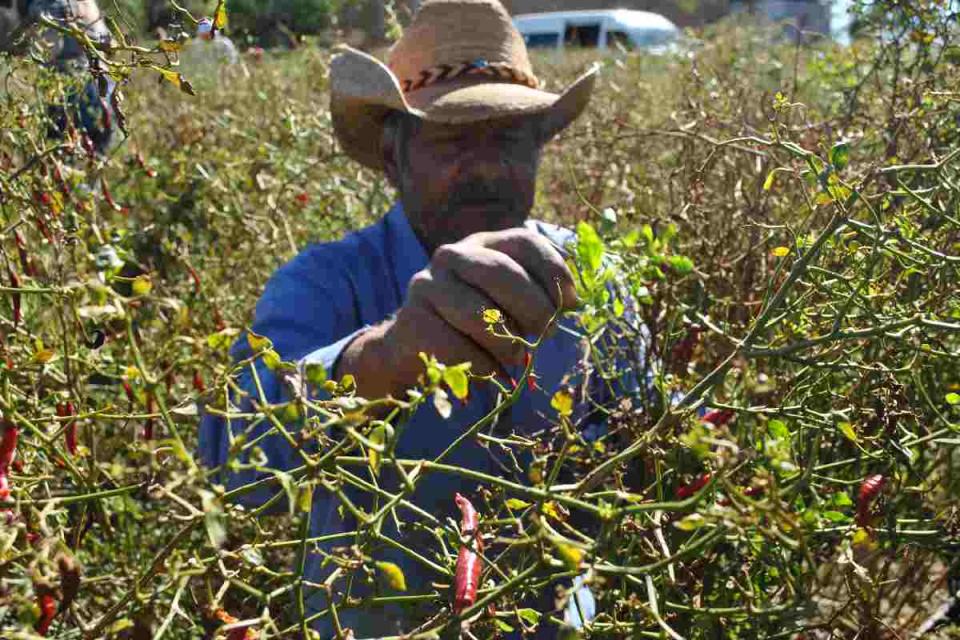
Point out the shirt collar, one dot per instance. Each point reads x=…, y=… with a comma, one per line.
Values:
x=407, y=255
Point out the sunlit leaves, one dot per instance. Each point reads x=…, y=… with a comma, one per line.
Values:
x=176, y=79
x=392, y=575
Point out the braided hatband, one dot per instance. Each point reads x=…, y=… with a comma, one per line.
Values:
x=443, y=72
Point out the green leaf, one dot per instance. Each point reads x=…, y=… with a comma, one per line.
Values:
x=952, y=398
x=272, y=359
x=690, y=522
x=681, y=264
x=847, y=429
x=840, y=155
x=316, y=373
x=456, y=379
x=516, y=504
x=589, y=246
x=393, y=575
x=530, y=616
x=841, y=499
x=213, y=518
x=503, y=626
x=778, y=429
x=221, y=339
x=834, y=516
x=378, y=436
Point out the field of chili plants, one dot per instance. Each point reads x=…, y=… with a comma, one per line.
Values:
x=768, y=233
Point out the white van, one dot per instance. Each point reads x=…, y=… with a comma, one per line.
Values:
x=596, y=29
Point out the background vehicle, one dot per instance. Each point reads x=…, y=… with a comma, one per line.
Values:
x=596, y=29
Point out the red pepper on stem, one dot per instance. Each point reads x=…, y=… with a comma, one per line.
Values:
x=688, y=490
x=467, y=577
x=65, y=409
x=869, y=490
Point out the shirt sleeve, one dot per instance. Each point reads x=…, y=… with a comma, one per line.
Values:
x=306, y=312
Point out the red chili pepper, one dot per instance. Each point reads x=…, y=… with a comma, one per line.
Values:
x=688, y=490
x=196, y=279
x=302, y=198
x=48, y=610
x=683, y=350
x=148, y=425
x=108, y=196
x=198, y=384
x=127, y=389
x=218, y=320
x=531, y=378
x=467, y=577
x=22, y=252
x=42, y=226
x=869, y=490
x=719, y=417
x=64, y=410
x=8, y=445
x=15, y=298
x=4, y=487
x=143, y=165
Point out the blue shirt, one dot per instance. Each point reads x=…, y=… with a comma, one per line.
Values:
x=311, y=308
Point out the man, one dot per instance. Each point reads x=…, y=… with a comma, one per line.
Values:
x=88, y=107
x=455, y=122
x=210, y=47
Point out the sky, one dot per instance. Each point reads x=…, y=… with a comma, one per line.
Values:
x=839, y=20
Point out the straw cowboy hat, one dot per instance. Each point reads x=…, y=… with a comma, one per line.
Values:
x=459, y=61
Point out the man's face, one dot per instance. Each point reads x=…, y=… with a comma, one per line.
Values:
x=455, y=180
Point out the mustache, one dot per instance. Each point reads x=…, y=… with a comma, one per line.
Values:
x=481, y=192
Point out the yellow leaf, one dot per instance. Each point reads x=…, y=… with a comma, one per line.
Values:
x=305, y=498
x=142, y=286
x=516, y=504
x=378, y=436
x=550, y=509
x=562, y=401
x=170, y=46
x=780, y=251
x=393, y=574
x=456, y=379
x=176, y=79
x=220, y=15
x=571, y=555
x=131, y=372
x=257, y=342
x=847, y=429
x=44, y=356
x=492, y=316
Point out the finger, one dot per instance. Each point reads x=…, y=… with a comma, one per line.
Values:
x=499, y=276
x=462, y=307
x=540, y=259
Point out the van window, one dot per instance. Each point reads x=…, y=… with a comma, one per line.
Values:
x=618, y=39
x=582, y=35
x=534, y=40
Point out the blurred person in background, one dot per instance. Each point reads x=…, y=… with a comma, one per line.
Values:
x=209, y=47
x=89, y=106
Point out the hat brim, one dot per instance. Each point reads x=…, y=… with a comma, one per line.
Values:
x=363, y=91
